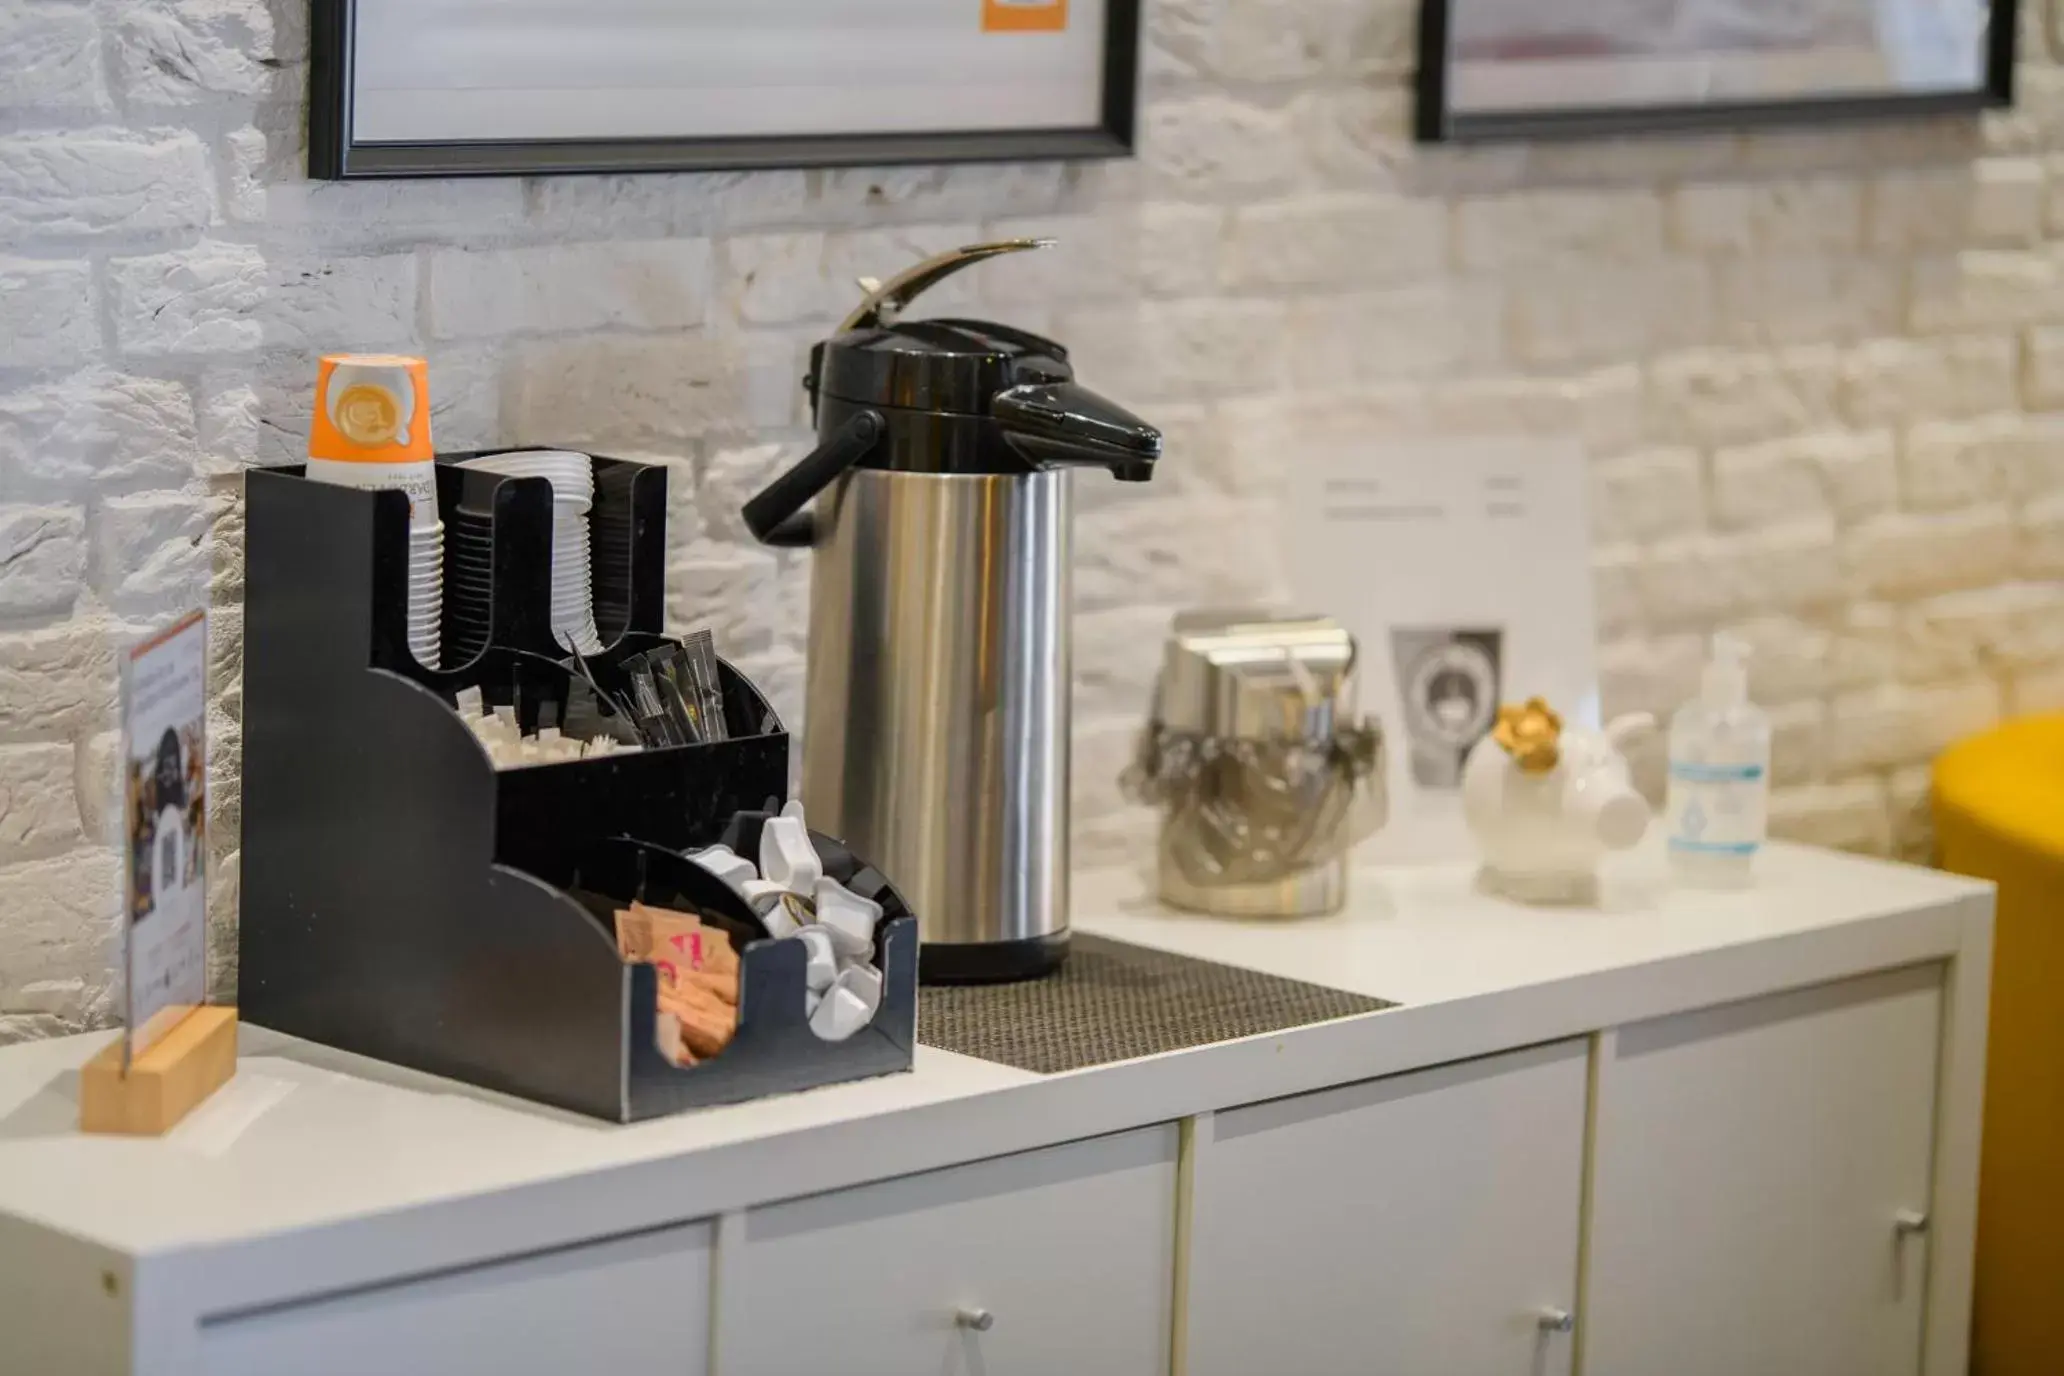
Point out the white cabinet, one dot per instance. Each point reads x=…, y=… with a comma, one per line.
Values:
x=1424, y=1225
x=1060, y=1260
x=636, y=1306
x=1752, y=1167
x=1758, y=1196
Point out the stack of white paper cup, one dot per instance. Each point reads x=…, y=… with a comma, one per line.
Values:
x=371, y=429
x=426, y=591
x=573, y=495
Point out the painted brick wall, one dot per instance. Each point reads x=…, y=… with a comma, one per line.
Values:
x=1821, y=375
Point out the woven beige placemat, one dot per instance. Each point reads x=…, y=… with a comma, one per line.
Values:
x=1113, y=1001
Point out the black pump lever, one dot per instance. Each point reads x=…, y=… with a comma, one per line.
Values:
x=776, y=517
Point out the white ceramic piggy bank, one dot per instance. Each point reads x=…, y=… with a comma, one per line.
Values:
x=1547, y=803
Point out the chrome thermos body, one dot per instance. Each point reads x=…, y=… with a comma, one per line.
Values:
x=937, y=727
x=936, y=734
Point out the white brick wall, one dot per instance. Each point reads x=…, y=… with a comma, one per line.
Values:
x=1820, y=372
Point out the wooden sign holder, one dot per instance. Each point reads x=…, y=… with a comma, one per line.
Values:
x=165, y=1083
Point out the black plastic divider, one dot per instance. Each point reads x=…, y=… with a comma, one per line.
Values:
x=403, y=899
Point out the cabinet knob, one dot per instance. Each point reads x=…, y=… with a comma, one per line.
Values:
x=1910, y=1223
x=1557, y=1321
x=981, y=1320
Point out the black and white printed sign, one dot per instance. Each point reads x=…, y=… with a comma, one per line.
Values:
x=1463, y=568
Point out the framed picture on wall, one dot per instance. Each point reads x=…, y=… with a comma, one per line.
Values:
x=1507, y=69
x=438, y=88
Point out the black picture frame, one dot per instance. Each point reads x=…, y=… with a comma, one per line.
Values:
x=333, y=155
x=1435, y=122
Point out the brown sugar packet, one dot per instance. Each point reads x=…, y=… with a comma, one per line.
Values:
x=707, y=1023
x=690, y=943
x=724, y=987
x=698, y=978
x=667, y=1035
x=677, y=943
x=633, y=936
x=634, y=946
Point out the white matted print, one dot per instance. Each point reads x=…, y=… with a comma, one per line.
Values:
x=431, y=87
x=1508, y=65
x=165, y=812
x=1463, y=568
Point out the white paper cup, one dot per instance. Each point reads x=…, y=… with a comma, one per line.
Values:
x=418, y=480
x=572, y=475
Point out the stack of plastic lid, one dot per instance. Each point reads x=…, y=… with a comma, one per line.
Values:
x=573, y=496
x=372, y=430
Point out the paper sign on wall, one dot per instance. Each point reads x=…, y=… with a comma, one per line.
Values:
x=1463, y=568
x=165, y=810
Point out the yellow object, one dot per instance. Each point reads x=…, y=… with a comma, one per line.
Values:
x=165, y=1083
x=1999, y=815
x=1531, y=735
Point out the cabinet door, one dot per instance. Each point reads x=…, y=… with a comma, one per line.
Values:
x=1049, y=1262
x=1751, y=1169
x=1418, y=1226
x=635, y=1306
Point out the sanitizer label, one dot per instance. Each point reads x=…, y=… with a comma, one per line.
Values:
x=1716, y=809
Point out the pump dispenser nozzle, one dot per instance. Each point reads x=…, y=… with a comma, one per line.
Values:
x=1726, y=680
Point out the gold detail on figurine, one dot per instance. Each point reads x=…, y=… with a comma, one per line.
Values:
x=1531, y=734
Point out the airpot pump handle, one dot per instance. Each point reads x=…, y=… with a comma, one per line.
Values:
x=776, y=517
x=886, y=300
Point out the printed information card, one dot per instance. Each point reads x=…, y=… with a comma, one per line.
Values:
x=165, y=772
x=1463, y=569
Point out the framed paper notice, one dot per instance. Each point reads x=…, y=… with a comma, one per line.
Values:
x=433, y=88
x=1463, y=569
x=1494, y=69
x=165, y=819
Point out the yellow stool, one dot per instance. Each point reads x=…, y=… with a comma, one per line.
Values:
x=1999, y=815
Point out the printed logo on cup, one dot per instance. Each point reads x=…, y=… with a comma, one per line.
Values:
x=1024, y=16
x=372, y=408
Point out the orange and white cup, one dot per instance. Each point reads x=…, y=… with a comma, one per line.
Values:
x=371, y=428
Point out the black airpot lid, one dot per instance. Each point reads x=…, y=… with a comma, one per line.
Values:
x=954, y=366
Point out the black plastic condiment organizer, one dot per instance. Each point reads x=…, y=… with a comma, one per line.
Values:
x=404, y=899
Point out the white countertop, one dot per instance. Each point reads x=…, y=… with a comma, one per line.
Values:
x=384, y=1169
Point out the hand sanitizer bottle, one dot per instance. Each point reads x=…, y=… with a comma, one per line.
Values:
x=1719, y=800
